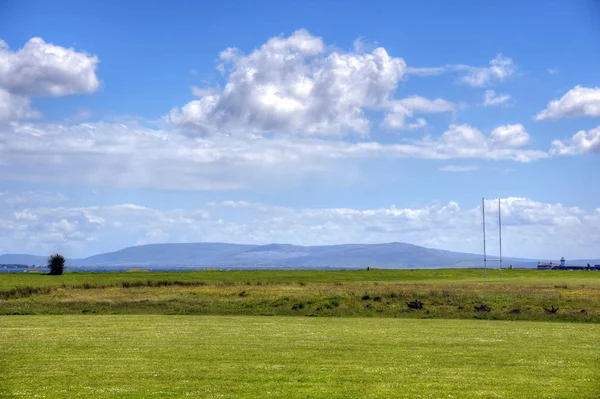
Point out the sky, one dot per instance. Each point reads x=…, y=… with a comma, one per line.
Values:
x=317, y=122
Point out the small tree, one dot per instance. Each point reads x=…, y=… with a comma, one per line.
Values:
x=56, y=264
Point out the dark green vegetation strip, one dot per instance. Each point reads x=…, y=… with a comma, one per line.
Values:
x=285, y=357
x=276, y=293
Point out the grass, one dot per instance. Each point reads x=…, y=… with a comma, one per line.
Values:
x=217, y=293
x=291, y=357
x=383, y=333
x=531, y=277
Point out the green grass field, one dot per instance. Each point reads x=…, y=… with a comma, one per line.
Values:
x=515, y=276
x=207, y=334
x=292, y=357
x=450, y=294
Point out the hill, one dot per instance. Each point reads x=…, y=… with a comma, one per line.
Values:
x=189, y=255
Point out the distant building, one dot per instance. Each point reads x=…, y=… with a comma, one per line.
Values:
x=563, y=266
x=546, y=266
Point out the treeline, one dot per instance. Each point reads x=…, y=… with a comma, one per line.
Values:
x=18, y=266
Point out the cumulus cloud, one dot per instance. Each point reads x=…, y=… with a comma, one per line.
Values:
x=579, y=101
x=132, y=155
x=463, y=137
x=582, y=142
x=42, y=69
x=531, y=228
x=511, y=136
x=13, y=106
x=500, y=68
x=298, y=85
x=493, y=99
x=294, y=85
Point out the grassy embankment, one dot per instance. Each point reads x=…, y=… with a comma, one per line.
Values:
x=449, y=293
x=291, y=357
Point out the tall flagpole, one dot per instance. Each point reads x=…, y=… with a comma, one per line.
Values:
x=484, y=253
x=500, y=231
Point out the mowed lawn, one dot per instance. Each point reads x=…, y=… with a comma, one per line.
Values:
x=105, y=356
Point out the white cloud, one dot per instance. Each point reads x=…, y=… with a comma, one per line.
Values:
x=294, y=85
x=458, y=168
x=297, y=85
x=41, y=69
x=428, y=71
x=582, y=142
x=13, y=107
x=491, y=98
x=422, y=105
x=553, y=71
x=131, y=155
x=530, y=228
x=500, y=68
x=579, y=101
x=400, y=110
x=511, y=136
x=463, y=137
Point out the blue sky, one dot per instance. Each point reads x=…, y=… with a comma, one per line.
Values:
x=124, y=123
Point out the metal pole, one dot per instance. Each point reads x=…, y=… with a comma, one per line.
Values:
x=500, y=231
x=484, y=253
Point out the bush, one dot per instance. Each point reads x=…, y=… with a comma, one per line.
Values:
x=56, y=264
x=551, y=310
x=416, y=304
x=482, y=308
x=333, y=303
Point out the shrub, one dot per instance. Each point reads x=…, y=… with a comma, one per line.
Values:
x=56, y=264
x=366, y=297
x=551, y=310
x=416, y=304
x=298, y=306
x=333, y=303
x=482, y=308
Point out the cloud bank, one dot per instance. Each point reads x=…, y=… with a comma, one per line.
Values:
x=531, y=228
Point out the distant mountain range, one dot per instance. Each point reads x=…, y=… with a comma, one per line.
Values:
x=221, y=255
